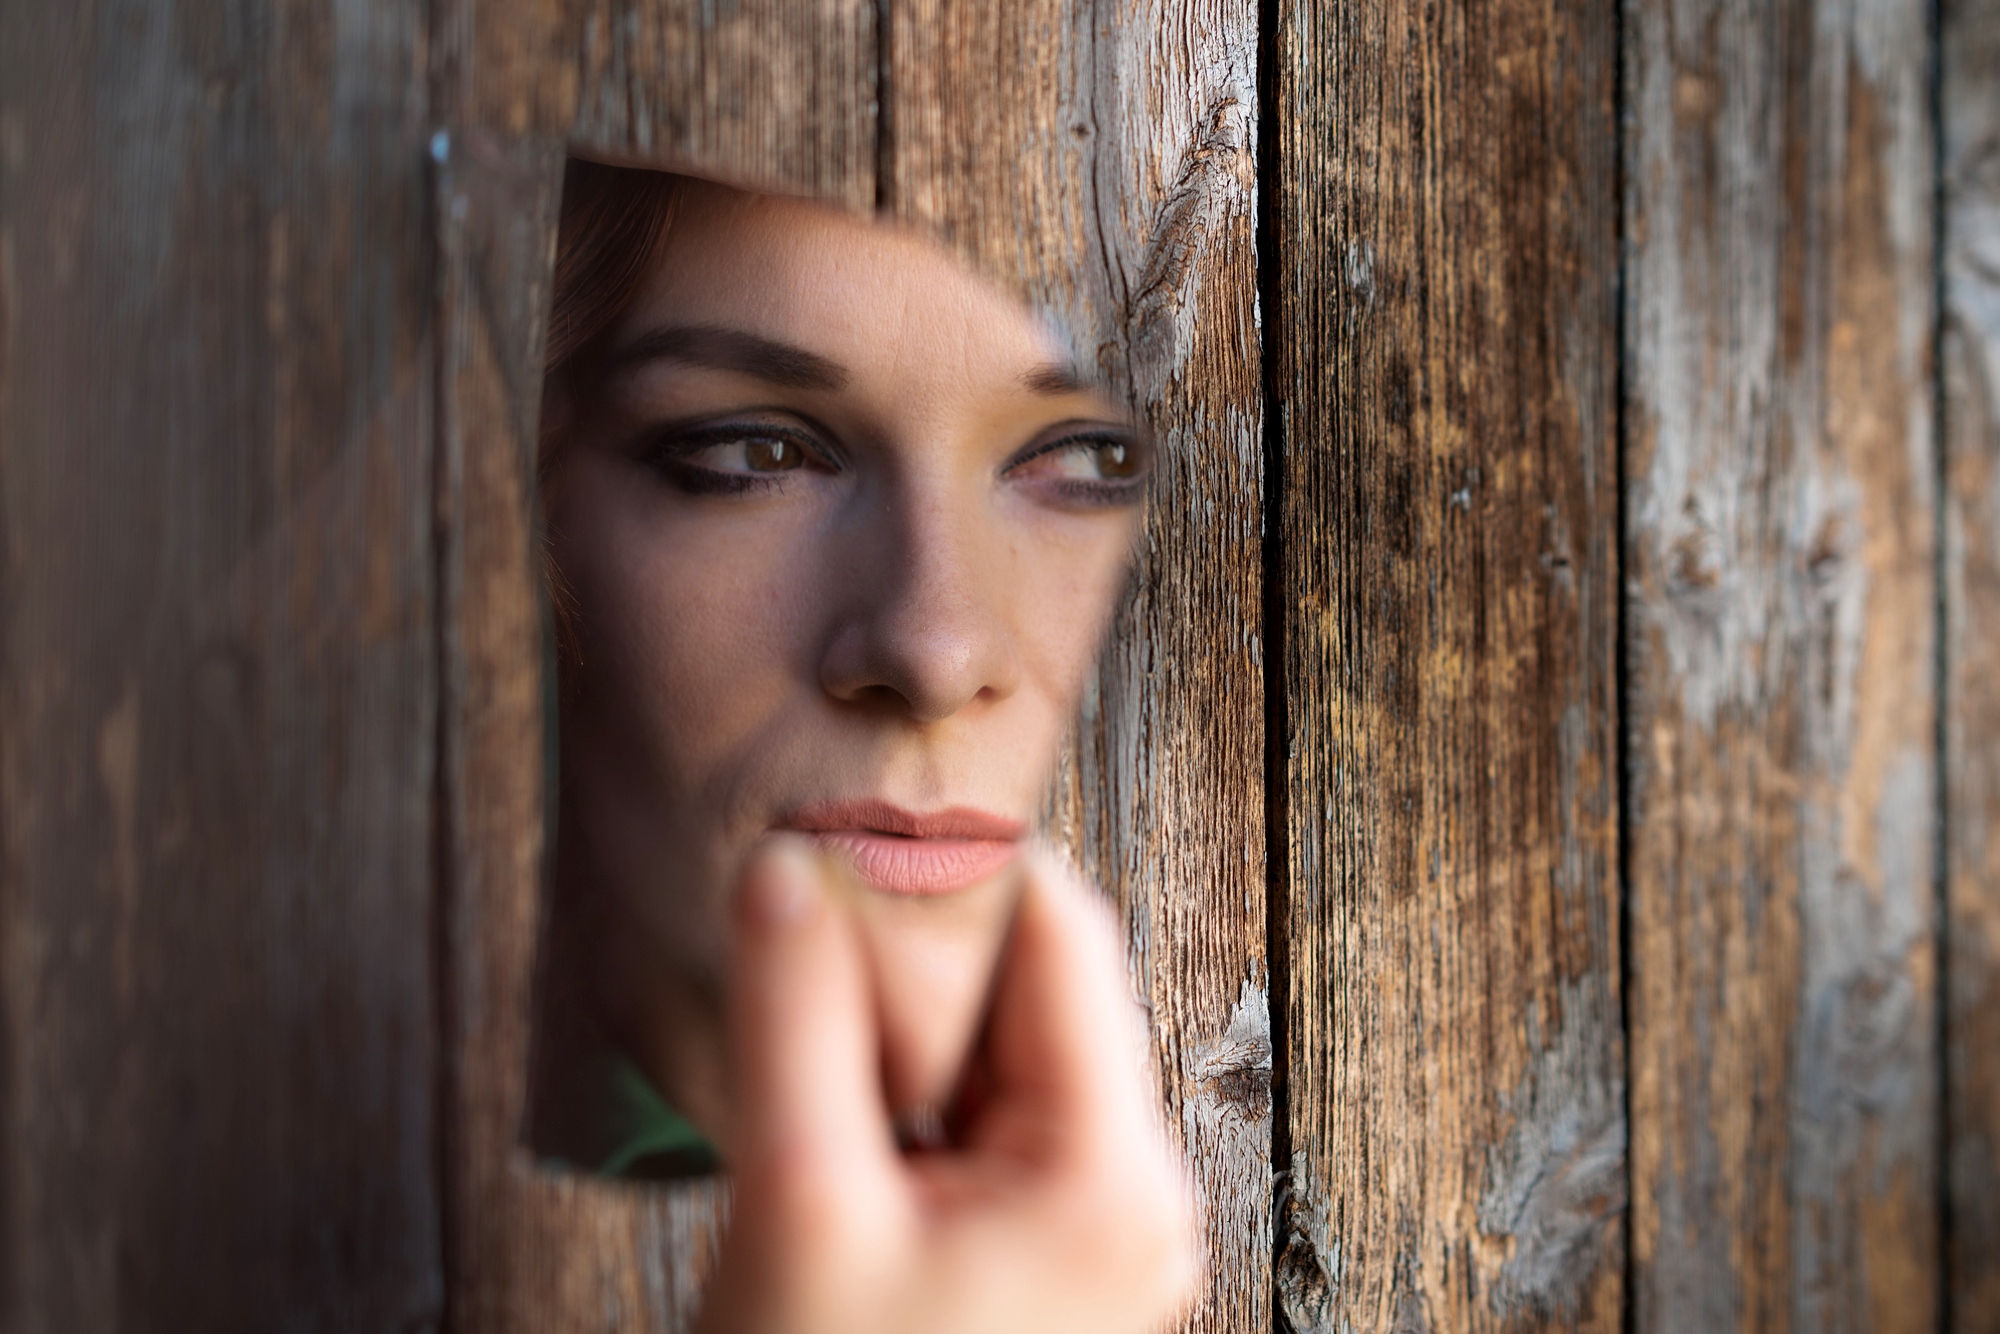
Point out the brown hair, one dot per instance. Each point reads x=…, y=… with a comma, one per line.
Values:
x=614, y=221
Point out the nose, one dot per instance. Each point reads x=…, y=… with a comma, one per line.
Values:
x=925, y=627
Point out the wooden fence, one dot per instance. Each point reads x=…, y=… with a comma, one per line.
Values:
x=1550, y=770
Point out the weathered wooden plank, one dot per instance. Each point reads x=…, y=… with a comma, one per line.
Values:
x=1781, y=479
x=776, y=94
x=1970, y=102
x=216, y=694
x=1445, y=342
x=528, y=1247
x=1199, y=767
x=1101, y=158
x=723, y=93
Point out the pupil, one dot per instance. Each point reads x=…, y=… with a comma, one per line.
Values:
x=771, y=455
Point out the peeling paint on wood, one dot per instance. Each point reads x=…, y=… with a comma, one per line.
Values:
x=1970, y=101
x=1780, y=464
x=1446, y=344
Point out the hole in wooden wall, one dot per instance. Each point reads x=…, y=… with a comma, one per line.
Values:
x=832, y=528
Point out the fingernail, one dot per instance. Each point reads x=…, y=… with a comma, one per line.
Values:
x=779, y=891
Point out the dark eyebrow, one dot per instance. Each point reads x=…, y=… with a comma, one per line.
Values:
x=1055, y=378
x=732, y=350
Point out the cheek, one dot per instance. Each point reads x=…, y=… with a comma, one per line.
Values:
x=1072, y=574
x=688, y=630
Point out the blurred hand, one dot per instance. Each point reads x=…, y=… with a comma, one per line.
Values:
x=1057, y=1208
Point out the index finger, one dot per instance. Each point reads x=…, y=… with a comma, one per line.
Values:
x=803, y=1030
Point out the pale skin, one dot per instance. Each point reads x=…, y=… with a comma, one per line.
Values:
x=841, y=530
x=1058, y=1210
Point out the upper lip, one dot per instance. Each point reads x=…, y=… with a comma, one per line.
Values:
x=881, y=817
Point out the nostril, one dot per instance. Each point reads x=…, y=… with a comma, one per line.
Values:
x=928, y=668
x=873, y=698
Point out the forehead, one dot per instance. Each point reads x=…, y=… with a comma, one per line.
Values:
x=872, y=296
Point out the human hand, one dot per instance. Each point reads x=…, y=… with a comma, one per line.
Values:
x=1057, y=1208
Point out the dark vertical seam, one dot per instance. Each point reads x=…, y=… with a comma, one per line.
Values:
x=27, y=92
x=1934, y=19
x=443, y=866
x=443, y=863
x=885, y=139
x=1117, y=283
x=1621, y=627
x=1275, y=639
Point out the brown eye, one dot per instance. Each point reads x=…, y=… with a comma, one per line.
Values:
x=1093, y=458
x=1091, y=467
x=1116, y=460
x=729, y=457
x=771, y=454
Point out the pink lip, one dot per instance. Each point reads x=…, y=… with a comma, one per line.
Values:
x=903, y=852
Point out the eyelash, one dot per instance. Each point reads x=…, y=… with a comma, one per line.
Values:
x=1098, y=494
x=670, y=454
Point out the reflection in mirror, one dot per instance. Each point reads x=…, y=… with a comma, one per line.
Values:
x=834, y=529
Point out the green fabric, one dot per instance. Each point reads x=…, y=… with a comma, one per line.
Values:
x=654, y=1142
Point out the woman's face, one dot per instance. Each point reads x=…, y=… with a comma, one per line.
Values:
x=839, y=531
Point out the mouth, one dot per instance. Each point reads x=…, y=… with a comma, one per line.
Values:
x=915, y=855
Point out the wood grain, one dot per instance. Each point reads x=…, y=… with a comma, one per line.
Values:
x=1781, y=480
x=1168, y=241
x=1970, y=103
x=1101, y=159
x=527, y=1247
x=767, y=94
x=216, y=690
x=1445, y=342
x=271, y=706
x=772, y=94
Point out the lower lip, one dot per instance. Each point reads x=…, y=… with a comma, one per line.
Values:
x=918, y=867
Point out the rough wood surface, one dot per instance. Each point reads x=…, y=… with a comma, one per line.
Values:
x=527, y=1247
x=1101, y=157
x=216, y=687
x=778, y=94
x=271, y=721
x=1445, y=342
x=1129, y=222
x=1781, y=475
x=1970, y=102
x=766, y=93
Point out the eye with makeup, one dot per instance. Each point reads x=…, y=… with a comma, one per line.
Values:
x=1093, y=466
x=735, y=457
